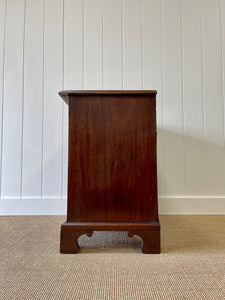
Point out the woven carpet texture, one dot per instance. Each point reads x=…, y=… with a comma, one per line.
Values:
x=110, y=265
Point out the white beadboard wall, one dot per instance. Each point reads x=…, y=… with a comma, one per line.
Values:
x=174, y=46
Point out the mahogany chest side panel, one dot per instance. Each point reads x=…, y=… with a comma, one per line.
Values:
x=112, y=171
x=112, y=159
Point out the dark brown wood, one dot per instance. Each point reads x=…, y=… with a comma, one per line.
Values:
x=71, y=231
x=69, y=238
x=112, y=176
x=71, y=94
x=151, y=240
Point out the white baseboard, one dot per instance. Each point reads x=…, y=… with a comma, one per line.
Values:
x=210, y=205
x=32, y=206
x=167, y=206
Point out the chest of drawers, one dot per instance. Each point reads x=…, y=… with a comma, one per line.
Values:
x=112, y=171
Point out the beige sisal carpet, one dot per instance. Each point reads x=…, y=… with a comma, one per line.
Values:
x=110, y=265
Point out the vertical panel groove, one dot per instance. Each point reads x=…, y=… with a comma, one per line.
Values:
x=43, y=101
x=203, y=104
x=123, y=21
x=3, y=85
x=102, y=43
x=222, y=69
x=22, y=141
x=83, y=2
x=162, y=93
x=122, y=44
x=182, y=94
x=162, y=76
x=142, y=50
x=63, y=73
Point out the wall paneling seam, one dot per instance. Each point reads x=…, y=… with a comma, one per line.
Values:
x=23, y=88
x=142, y=49
x=162, y=84
x=63, y=84
x=102, y=44
x=203, y=105
x=222, y=69
x=3, y=93
x=122, y=15
x=43, y=101
x=83, y=85
x=182, y=94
